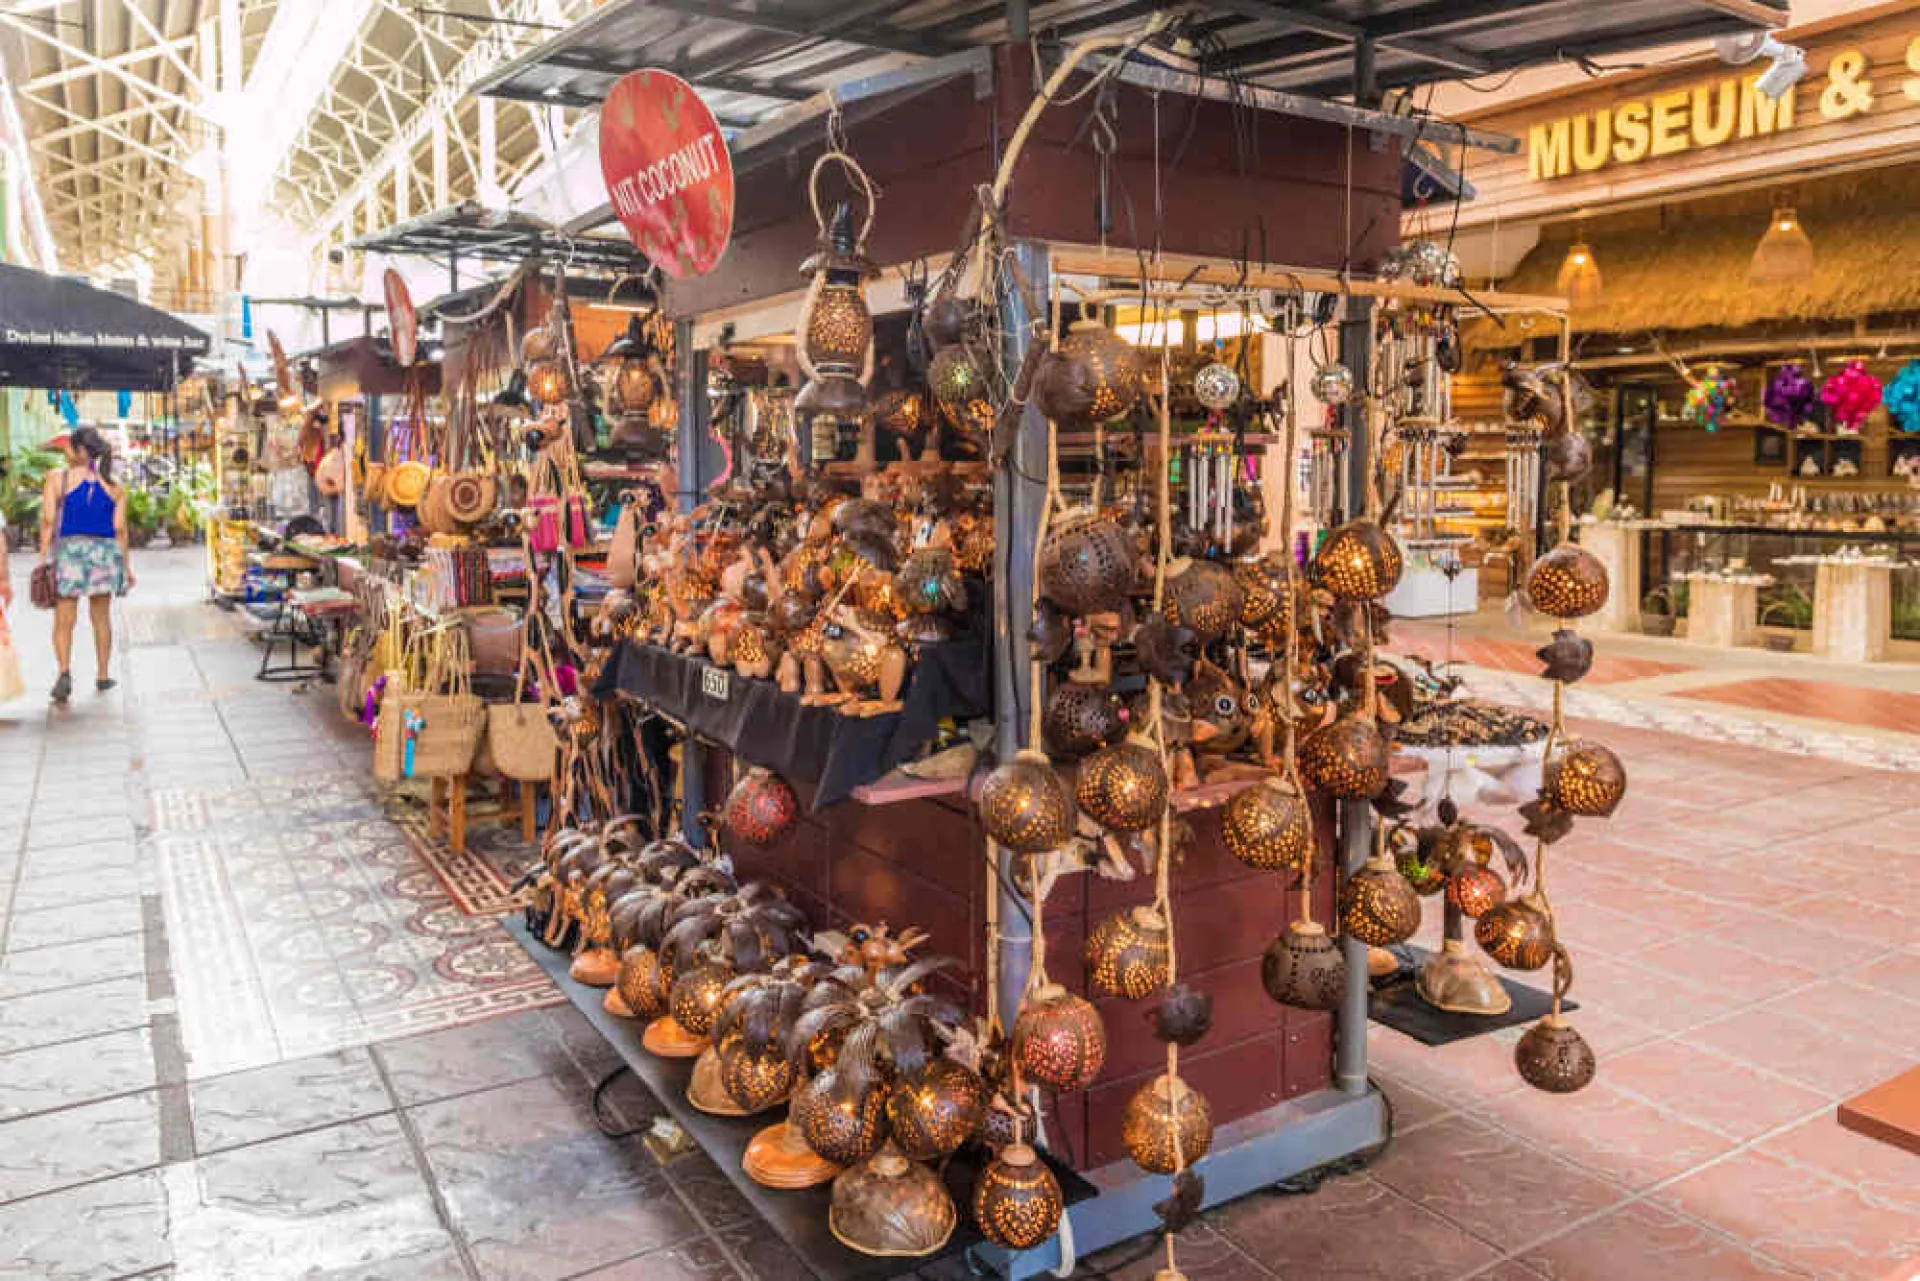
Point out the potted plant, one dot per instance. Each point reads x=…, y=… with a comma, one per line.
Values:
x=143, y=516
x=1659, y=610
x=1784, y=617
x=20, y=494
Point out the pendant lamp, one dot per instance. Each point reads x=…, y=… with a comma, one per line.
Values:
x=1579, y=278
x=1785, y=253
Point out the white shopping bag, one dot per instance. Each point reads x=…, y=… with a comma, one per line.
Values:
x=11, y=686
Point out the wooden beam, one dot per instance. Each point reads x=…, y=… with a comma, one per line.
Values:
x=1321, y=24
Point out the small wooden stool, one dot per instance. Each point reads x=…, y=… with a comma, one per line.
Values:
x=447, y=810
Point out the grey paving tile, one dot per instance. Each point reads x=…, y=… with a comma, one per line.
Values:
x=72, y=1013
x=59, y=1149
x=493, y=1052
x=265, y=1103
x=330, y=1202
x=103, y=858
x=57, y=1076
x=106, y=1229
x=537, y=1191
x=74, y=923
x=45, y=885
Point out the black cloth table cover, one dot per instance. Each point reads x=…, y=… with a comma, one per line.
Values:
x=817, y=746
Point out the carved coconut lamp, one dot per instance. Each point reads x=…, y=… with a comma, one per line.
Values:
x=931, y=1117
x=1167, y=1125
x=1123, y=787
x=1268, y=826
x=1087, y=564
x=1016, y=1200
x=1377, y=906
x=1359, y=561
x=1026, y=806
x=1518, y=934
x=841, y=1115
x=1094, y=376
x=1081, y=718
x=1583, y=778
x=835, y=347
x=1204, y=597
x=1058, y=1039
x=1128, y=954
x=1568, y=582
x=1346, y=759
x=761, y=809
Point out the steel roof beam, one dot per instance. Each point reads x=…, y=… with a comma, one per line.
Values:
x=1341, y=31
x=837, y=28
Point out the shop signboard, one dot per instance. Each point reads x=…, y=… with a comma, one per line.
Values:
x=668, y=172
x=1671, y=131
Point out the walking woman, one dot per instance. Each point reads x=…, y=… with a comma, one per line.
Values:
x=83, y=532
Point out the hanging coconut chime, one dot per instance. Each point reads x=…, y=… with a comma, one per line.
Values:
x=835, y=347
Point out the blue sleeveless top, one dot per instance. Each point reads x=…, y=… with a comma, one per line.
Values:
x=87, y=510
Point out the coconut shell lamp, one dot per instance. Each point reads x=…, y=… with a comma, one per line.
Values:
x=1268, y=826
x=1093, y=377
x=1377, y=906
x=1087, y=564
x=891, y=1207
x=1203, y=597
x=960, y=378
x=1346, y=759
x=1058, y=1039
x=1553, y=1056
x=1359, y=561
x=1016, y=1200
x=1517, y=934
x=1568, y=582
x=1128, y=954
x=641, y=983
x=1026, y=806
x=1167, y=1125
x=761, y=809
x=835, y=347
x=1304, y=968
x=707, y=1089
x=1266, y=595
x=1584, y=779
x=1081, y=718
x=842, y=1117
x=1123, y=787
x=931, y=1117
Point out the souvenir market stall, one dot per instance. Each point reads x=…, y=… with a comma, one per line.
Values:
x=933, y=511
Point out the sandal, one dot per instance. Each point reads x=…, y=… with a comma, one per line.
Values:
x=104, y=684
x=63, y=688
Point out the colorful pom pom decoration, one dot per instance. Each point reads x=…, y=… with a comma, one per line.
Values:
x=1903, y=397
x=1790, y=396
x=1711, y=398
x=1851, y=395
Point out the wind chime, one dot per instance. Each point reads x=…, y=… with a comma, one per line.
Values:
x=1523, y=478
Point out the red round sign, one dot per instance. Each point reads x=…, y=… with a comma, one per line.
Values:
x=403, y=327
x=668, y=172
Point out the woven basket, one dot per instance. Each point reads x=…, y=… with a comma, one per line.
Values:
x=521, y=741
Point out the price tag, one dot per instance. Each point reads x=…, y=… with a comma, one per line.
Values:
x=716, y=683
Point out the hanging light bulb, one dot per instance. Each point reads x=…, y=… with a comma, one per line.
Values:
x=1785, y=252
x=1579, y=278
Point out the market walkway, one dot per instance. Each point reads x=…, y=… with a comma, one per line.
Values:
x=250, y=1026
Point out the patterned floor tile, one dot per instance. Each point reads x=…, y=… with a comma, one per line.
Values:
x=1640, y=1241
x=1335, y=1232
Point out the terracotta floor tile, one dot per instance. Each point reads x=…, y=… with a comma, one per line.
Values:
x=1609, y=1132
x=1823, y=1060
x=1851, y=705
x=1865, y=1013
x=1336, y=1232
x=1799, y=1215
x=1885, y=1174
x=1710, y=1089
x=1735, y=976
x=1644, y=994
x=1640, y=1241
x=1448, y=1167
x=1898, y=974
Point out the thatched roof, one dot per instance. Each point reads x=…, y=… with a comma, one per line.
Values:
x=1685, y=267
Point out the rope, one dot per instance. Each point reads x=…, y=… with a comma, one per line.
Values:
x=860, y=179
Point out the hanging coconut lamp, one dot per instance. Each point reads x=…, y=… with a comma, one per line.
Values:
x=1058, y=1039
x=1087, y=564
x=1204, y=597
x=1167, y=1125
x=1552, y=1056
x=1128, y=954
x=1304, y=968
x=1016, y=1200
x=1377, y=906
x=1268, y=826
x=1568, y=582
x=835, y=333
x=761, y=809
x=1347, y=759
x=1517, y=933
x=1124, y=787
x=1081, y=718
x=1358, y=561
x=1583, y=778
x=1026, y=806
x=1093, y=377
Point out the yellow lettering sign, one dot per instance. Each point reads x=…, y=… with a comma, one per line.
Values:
x=1592, y=139
x=1714, y=113
x=1631, y=135
x=1848, y=91
x=1550, y=150
x=1912, y=85
x=1670, y=123
x=1760, y=114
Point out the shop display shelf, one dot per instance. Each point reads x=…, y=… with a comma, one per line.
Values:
x=798, y=1217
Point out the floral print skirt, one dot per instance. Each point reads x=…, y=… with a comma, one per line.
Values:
x=88, y=566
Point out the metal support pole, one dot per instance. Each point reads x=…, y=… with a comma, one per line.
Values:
x=1356, y=353
x=694, y=450
x=1350, y=1023
x=1019, y=492
x=1019, y=22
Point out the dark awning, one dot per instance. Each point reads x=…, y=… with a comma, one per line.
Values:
x=61, y=334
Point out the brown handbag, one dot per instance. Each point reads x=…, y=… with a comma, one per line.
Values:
x=42, y=589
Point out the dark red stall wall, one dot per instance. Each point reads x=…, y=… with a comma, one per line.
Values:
x=1232, y=183
x=921, y=863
